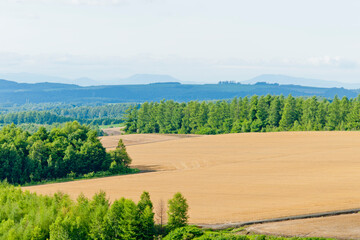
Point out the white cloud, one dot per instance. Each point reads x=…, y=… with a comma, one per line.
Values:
x=97, y=2
x=82, y=2
x=327, y=61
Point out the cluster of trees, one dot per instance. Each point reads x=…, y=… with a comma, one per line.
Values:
x=38, y=117
x=6, y=107
x=109, y=111
x=71, y=150
x=61, y=113
x=25, y=215
x=33, y=127
x=254, y=114
x=50, y=117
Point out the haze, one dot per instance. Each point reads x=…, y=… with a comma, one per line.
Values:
x=194, y=41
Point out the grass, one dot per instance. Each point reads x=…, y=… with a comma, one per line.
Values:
x=192, y=232
x=73, y=177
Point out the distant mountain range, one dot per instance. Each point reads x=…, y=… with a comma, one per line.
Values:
x=85, y=81
x=153, y=78
x=283, y=79
x=20, y=93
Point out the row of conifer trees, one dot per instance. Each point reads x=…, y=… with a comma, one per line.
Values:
x=254, y=114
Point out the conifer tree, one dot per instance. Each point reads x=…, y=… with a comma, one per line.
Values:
x=289, y=114
x=334, y=114
x=262, y=112
x=275, y=112
x=146, y=217
x=177, y=212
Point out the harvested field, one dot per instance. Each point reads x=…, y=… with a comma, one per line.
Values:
x=111, y=141
x=239, y=177
x=339, y=227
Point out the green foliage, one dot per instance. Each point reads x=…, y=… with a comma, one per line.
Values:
x=71, y=151
x=192, y=232
x=25, y=215
x=177, y=212
x=184, y=233
x=223, y=236
x=94, y=115
x=146, y=217
x=257, y=114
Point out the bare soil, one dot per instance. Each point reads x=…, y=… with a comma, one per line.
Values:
x=237, y=177
x=113, y=131
x=339, y=227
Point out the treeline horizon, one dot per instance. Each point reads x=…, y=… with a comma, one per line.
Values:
x=94, y=115
x=249, y=114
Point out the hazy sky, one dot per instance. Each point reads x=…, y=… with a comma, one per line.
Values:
x=193, y=40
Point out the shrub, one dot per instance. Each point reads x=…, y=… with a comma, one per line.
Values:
x=222, y=236
x=184, y=233
x=89, y=175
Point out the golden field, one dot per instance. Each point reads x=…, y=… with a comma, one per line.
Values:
x=237, y=177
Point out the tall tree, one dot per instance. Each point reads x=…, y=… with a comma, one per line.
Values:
x=334, y=114
x=146, y=218
x=177, y=212
x=275, y=112
x=289, y=114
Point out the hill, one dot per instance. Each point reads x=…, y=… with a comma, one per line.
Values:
x=20, y=93
x=14, y=86
x=24, y=77
x=284, y=80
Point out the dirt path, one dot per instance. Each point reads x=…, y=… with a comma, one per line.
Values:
x=241, y=177
x=339, y=227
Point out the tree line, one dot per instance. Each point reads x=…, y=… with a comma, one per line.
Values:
x=110, y=111
x=249, y=114
x=34, y=127
x=51, y=117
x=71, y=150
x=25, y=215
x=61, y=113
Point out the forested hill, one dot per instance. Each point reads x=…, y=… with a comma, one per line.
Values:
x=12, y=92
x=10, y=85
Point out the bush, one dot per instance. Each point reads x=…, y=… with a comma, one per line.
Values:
x=89, y=175
x=184, y=233
x=71, y=175
x=222, y=236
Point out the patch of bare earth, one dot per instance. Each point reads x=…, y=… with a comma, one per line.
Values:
x=238, y=177
x=113, y=131
x=339, y=227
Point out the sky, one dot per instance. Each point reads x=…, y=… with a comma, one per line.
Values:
x=192, y=40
